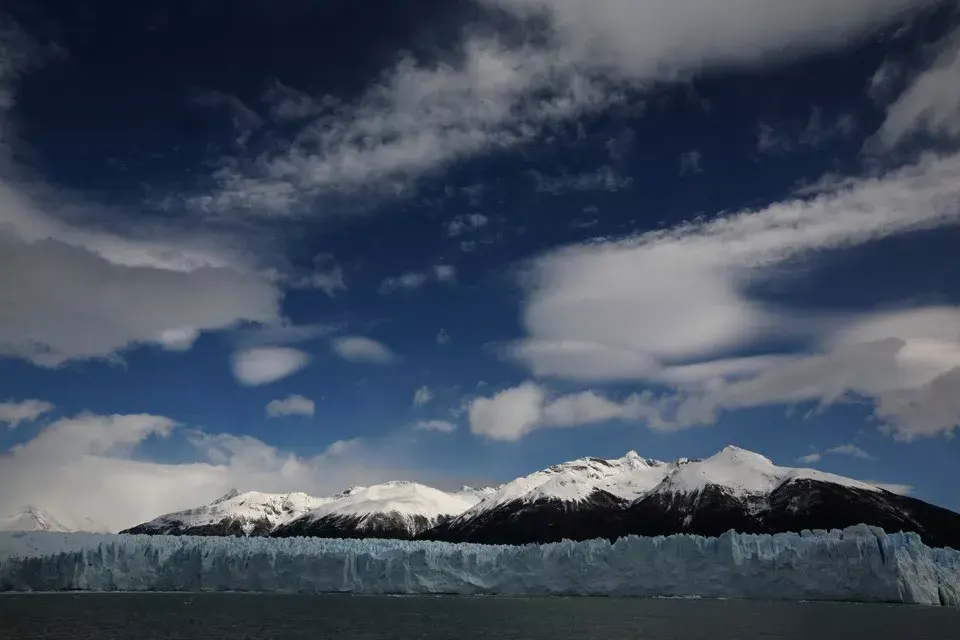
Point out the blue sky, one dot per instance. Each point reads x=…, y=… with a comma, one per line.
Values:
x=333, y=243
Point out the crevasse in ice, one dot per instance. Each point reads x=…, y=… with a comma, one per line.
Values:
x=860, y=563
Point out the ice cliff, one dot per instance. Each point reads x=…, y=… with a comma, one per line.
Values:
x=860, y=564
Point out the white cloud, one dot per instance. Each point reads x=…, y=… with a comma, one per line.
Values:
x=263, y=365
x=443, y=337
x=884, y=79
x=360, y=349
x=417, y=118
x=66, y=303
x=849, y=450
x=900, y=489
x=508, y=415
x=692, y=302
x=412, y=122
x=603, y=179
x=271, y=336
x=817, y=132
x=293, y=405
x=906, y=363
x=582, y=316
x=327, y=278
x=72, y=291
x=95, y=467
x=445, y=273
x=409, y=281
x=422, y=396
x=287, y=104
x=771, y=141
x=641, y=37
x=440, y=426
x=511, y=414
x=413, y=280
x=466, y=224
x=13, y=412
x=931, y=102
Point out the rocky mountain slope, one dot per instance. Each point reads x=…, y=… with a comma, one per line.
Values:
x=579, y=500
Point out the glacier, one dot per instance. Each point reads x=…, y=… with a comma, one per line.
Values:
x=856, y=564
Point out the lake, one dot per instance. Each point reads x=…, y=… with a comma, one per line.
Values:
x=186, y=616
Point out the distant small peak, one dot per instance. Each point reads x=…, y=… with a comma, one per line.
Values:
x=735, y=453
x=229, y=495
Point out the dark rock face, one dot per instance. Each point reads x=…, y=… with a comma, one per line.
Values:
x=389, y=526
x=227, y=528
x=808, y=504
x=600, y=516
x=794, y=506
x=710, y=512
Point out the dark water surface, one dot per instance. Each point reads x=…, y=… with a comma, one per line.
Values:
x=281, y=617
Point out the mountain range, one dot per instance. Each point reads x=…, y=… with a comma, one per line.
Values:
x=578, y=500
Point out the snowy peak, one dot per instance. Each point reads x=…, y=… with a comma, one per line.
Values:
x=580, y=499
x=229, y=495
x=388, y=510
x=403, y=498
x=31, y=518
x=247, y=512
x=575, y=481
x=741, y=473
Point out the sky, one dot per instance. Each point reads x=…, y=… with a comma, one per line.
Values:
x=307, y=245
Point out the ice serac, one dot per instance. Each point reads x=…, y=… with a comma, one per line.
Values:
x=857, y=564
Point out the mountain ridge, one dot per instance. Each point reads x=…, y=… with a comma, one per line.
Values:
x=580, y=499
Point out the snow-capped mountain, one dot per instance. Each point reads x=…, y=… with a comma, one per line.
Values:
x=579, y=500
x=389, y=510
x=31, y=518
x=742, y=490
x=234, y=514
x=733, y=489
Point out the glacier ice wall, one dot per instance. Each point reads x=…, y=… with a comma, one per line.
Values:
x=860, y=563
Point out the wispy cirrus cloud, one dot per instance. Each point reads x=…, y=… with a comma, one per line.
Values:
x=465, y=224
x=695, y=310
x=413, y=280
x=418, y=118
x=848, y=449
x=605, y=178
x=930, y=104
x=439, y=426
